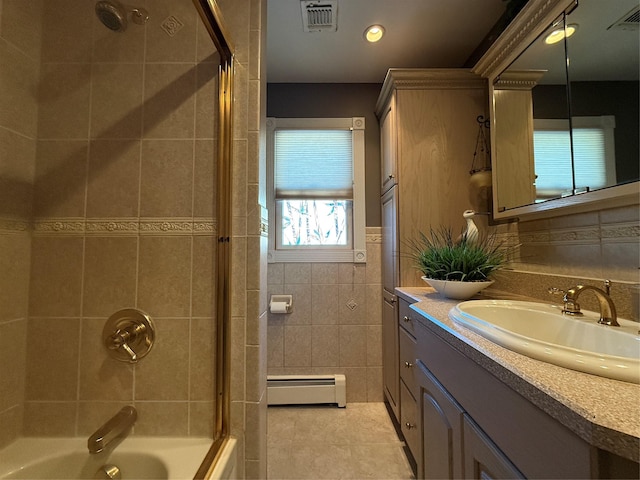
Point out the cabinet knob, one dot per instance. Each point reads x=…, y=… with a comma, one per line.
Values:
x=406, y=319
x=409, y=426
x=408, y=364
x=390, y=177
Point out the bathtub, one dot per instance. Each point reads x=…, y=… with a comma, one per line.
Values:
x=135, y=458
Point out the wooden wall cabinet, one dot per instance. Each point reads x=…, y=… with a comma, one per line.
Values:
x=428, y=132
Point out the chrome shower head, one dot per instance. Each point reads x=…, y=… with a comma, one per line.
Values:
x=113, y=15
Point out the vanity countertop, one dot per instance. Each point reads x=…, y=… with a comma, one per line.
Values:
x=603, y=412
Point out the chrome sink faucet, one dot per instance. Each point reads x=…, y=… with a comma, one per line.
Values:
x=116, y=426
x=608, y=315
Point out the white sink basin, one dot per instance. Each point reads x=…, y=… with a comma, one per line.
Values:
x=543, y=332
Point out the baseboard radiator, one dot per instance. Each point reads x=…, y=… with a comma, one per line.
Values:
x=306, y=389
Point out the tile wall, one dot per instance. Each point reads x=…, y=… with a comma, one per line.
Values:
x=576, y=248
x=246, y=24
x=122, y=216
x=20, y=37
x=336, y=323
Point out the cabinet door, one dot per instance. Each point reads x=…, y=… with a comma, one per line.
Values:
x=390, y=264
x=390, y=352
x=388, y=140
x=441, y=429
x=482, y=458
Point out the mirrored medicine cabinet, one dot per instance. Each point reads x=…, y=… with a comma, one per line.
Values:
x=565, y=115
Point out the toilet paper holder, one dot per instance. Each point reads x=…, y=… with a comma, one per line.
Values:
x=281, y=303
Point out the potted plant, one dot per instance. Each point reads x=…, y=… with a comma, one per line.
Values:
x=457, y=267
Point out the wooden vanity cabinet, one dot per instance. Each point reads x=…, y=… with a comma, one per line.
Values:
x=409, y=412
x=473, y=422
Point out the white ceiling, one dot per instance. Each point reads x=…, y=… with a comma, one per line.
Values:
x=419, y=33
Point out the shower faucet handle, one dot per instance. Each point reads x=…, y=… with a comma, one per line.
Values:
x=128, y=335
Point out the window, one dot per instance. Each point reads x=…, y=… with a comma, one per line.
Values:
x=593, y=156
x=316, y=189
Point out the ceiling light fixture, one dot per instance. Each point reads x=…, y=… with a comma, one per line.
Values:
x=560, y=33
x=374, y=33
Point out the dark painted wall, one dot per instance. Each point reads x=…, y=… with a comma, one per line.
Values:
x=336, y=100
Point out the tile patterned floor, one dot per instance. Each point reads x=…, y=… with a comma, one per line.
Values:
x=318, y=442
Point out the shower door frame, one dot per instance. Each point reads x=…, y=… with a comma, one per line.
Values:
x=211, y=17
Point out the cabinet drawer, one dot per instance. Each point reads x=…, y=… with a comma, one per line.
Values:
x=408, y=361
x=406, y=316
x=409, y=421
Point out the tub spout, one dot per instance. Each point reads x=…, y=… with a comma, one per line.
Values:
x=116, y=426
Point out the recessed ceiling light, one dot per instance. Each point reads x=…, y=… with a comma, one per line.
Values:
x=558, y=34
x=374, y=33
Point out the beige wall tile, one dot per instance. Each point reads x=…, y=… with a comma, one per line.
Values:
x=351, y=273
x=622, y=260
x=204, y=179
x=61, y=178
x=109, y=275
x=201, y=369
x=56, y=276
x=297, y=346
x=352, y=305
x=201, y=415
x=275, y=275
x=50, y=419
x=324, y=304
x=116, y=96
x=207, y=100
x=102, y=377
x=164, y=276
x=114, y=178
x=324, y=273
x=275, y=346
x=180, y=47
x=621, y=214
x=238, y=365
x=18, y=110
x=325, y=346
x=63, y=100
x=20, y=25
x=60, y=37
x=52, y=371
x=203, y=277
x=162, y=419
x=17, y=172
x=167, y=178
x=373, y=299
x=13, y=352
x=356, y=379
x=374, y=345
x=297, y=273
x=164, y=372
x=11, y=425
x=169, y=103
x=14, y=281
x=374, y=384
x=353, y=345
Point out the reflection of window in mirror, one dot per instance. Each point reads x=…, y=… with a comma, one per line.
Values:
x=593, y=151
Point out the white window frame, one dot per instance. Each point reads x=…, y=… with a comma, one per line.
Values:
x=357, y=253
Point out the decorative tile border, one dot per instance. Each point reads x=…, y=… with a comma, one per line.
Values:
x=374, y=234
x=121, y=226
x=13, y=225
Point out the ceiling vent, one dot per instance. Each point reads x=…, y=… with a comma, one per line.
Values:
x=630, y=21
x=319, y=16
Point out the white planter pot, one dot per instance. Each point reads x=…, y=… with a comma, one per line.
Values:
x=456, y=289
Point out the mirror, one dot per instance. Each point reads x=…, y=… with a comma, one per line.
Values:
x=566, y=114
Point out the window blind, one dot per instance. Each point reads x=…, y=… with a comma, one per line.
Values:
x=313, y=164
